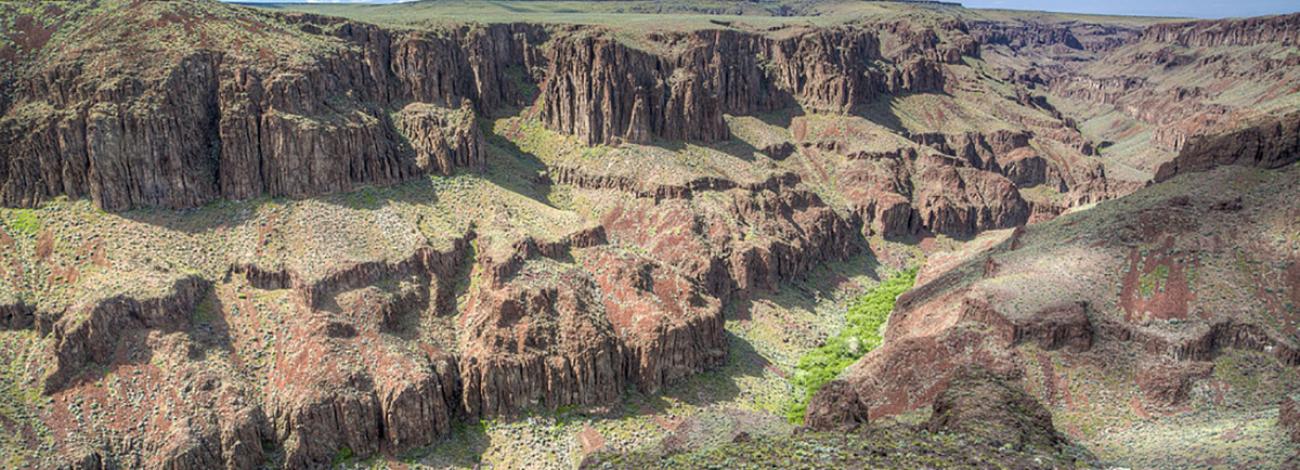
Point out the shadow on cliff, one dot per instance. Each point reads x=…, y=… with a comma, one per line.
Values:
x=218, y=214
x=711, y=387
x=883, y=111
x=782, y=118
x=733, y=147
x=824, y=283
x=227, y=214
x=463, y=448
x=206, y=332
x=515, y=170
x=417, y=190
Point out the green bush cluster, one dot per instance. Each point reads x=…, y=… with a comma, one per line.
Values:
x=24, y=222
x=864, y=322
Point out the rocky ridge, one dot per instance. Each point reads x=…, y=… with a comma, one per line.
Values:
x=967, y=309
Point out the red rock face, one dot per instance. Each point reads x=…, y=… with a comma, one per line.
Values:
x=978, y=306
x=801, y=231
x=378, y=356
x=1155, y=286
x=669, y=326
x=543, y=342
x=1289, y=418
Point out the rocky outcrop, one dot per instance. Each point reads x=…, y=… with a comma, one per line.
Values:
x=962, y=201
x=1168, y=383
x=604, y=91
x=668, y=326
x=1021, y=35
x=980, y=403
x=798, y=230
x=838, y=408
x=337, y=387
x=1283, y=30
x=1289, y=417
x=1058, y=326
x=1207, y=342
x=17, y=316
x=1108, y=90
x=443, y=140
x=1272, y=143
x=903, y=193
x=981, y=150
x=218, y=124
x=92, y=336
x=535, y=343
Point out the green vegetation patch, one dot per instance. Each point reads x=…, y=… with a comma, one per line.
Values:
x=23, y=222
x=865, y=320
x=1154, y=281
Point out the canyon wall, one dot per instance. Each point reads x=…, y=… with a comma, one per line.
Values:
x=1271, y=143
x=219, y=124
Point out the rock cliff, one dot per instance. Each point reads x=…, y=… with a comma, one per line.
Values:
x=1272, y=143
x=1281, y=29
x=992, y=304
x=220, y=123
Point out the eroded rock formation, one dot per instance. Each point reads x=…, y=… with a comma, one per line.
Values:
x=983, y=305
x=219, y=124
x=1273, y=143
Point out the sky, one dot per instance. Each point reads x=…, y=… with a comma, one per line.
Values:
x=1180, y=8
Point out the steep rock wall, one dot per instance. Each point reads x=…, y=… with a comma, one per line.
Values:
x=1273, y=143
x=1283, y=29
x=215, y=126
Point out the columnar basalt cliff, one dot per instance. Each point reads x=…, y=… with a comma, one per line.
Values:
x=256, y=128
x=606, y=91
x=223, y=125
x=217, y=124
x=1283, y=29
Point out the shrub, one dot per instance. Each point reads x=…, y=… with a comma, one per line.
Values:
x=864, y=323
x=23, y=221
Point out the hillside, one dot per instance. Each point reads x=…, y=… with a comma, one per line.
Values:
x=532, y=234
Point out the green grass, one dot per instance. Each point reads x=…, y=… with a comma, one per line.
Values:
x=23, y=222
x=342, y=456
x=865, y=320
x=1153, y=281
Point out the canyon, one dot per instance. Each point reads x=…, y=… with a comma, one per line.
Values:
x=304, y=237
